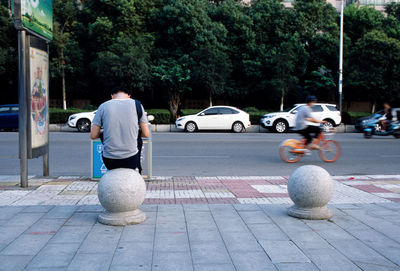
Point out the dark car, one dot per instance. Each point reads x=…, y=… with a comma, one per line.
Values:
x=9, y=116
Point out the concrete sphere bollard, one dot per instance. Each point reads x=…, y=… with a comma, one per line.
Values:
x=121, y=191
x=310, y=188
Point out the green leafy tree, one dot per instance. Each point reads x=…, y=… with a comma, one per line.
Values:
x=238, y=41
x=361, y=20
x=124, y=61
x=317, y=25
x=277, y=53
x=393, y=9
x=174, y=75
x=120, y=43
x=211, y=63
x=375, y=65
x=285, y=61
x=322, y=83
x=211, y=69
x=64, y=43
x=8, y=53
x=193, y=43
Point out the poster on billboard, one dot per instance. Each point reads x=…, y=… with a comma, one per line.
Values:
x=36, y=16
x=38, y=95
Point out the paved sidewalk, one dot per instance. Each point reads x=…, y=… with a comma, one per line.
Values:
x=75, y=190
x=52, y=225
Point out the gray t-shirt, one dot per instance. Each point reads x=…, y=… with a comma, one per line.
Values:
x=119, y=119
x=302, y=113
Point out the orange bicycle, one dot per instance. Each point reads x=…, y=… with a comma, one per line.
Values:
x=292, y=150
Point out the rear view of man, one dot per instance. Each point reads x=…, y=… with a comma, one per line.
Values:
x=119, y=119
x=304, y=115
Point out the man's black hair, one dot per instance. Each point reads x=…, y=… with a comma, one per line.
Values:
x=311, y=98
x=115, y=90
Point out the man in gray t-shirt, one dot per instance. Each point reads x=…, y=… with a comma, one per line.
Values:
x=304, y=115
x=120, y=122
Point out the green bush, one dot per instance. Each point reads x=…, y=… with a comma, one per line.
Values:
x=161, y=116
x=190, y=111
x=251, y=109
x=256, y=116
x=350, y=117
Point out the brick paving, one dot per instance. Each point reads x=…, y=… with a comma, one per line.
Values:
x=200, y=223
x=78, y=190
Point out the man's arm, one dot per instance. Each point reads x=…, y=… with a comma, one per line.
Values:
x=95, y=132
x=144, y=127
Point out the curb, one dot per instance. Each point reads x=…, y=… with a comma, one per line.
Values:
x=61, y=128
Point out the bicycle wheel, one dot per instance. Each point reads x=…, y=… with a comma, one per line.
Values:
x=288, y=154
x=330, y=151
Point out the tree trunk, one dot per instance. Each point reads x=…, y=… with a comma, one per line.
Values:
x=282, y=99
x=64, y=94
x=373, y=107
x=210, y=99
x=174, y=100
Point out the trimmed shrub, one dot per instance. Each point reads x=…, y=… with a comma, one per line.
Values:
x=161, y=116
x=255, y=117
x=251, y=109
x=190, y=111
x=350, y=117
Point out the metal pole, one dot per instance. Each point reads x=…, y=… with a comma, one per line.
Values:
x=341, y=57
x=46, y=171
x=22, y=118
x=46, y=160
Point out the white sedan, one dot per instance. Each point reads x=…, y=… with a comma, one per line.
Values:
x=215, y=118
x=82, y=121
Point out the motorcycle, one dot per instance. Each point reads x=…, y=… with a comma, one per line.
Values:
x=374, y=128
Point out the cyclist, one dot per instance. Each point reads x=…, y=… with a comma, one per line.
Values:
x=304, y=116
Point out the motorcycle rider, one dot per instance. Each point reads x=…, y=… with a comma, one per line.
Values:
x=388, y=117
x=304, y=115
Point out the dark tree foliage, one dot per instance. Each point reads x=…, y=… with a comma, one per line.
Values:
x=259, y=53
x=8, y=55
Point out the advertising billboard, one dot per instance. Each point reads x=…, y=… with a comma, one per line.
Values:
x=37, y=97
x=36, y=16
x=39, y=74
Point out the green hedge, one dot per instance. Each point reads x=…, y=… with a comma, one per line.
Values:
x=255, y=114
x=162, y=116
x=350, y=117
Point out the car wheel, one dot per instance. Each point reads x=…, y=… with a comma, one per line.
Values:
x=237, y=127
x=83, y=125
x=328, y=125
x=281, y=126
x=190, y=127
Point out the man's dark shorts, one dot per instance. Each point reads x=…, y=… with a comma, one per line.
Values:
x=310, y=129
x=130, y=162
